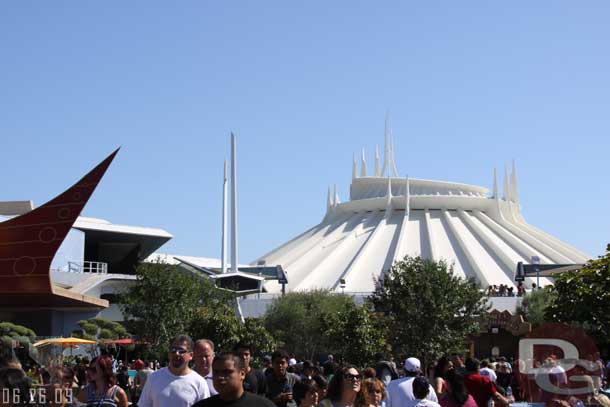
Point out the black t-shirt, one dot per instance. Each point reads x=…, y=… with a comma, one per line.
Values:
x=247, y=400
x=255, y=382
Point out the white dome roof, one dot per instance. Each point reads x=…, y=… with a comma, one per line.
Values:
x=387, y=218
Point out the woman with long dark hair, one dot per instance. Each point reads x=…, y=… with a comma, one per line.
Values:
x=102, y=390
x=343, y=388
x=456, y=394
x=442, y=367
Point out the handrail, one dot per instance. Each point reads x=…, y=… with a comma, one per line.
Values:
x=96, y=267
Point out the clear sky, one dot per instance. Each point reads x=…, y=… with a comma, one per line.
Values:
x=469, y=86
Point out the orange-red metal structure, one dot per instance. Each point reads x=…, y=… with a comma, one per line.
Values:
x=29, y=242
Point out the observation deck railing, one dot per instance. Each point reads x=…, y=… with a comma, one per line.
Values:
x=96, y=267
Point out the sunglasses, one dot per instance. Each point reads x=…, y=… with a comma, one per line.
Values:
x=179, y=351
x=353, y=377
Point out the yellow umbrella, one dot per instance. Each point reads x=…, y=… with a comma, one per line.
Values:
x=64, y=342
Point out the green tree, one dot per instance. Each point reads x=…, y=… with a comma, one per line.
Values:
x=534, y=305
x=100, y=329
x=256, y=334
x=164, y=301
x=297, y=320
x=218, y=323
x=427, y=309
x=10, y=332
x=355, y=334
x=582, y=298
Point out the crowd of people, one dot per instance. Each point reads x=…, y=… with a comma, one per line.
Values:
x=196, y=376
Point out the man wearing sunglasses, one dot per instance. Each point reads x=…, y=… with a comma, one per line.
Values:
x=175, y=385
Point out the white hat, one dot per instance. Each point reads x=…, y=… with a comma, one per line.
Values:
x=292, y=362
x=412, y=365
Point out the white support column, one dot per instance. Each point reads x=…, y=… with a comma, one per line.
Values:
x=223, y=244
x=509, y=263
x=234, y=261
x=466, y=250
x=388, y=197
x=401, y=245
x=430, y=236
x=517, y=244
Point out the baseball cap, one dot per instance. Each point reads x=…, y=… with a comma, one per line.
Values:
x=412, y=365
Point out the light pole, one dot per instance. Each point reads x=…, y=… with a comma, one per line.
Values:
x=536, y=263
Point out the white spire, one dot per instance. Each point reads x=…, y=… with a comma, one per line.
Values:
x=386, y=147
x=363, y=171
x=234, y=263
x=354, y=168
x=513, y=184
x=392, y=162
x=377, y=171
x=505, y=188
x=337, y=200
x=329, y=201
x=495, y=190
x=223, y=244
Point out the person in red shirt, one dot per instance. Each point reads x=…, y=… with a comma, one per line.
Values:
x=138, y=364
x=480, y=387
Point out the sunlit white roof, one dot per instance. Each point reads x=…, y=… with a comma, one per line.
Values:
x=387, y=217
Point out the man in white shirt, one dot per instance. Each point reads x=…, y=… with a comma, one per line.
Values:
x=400, y=391
x=175, y=385
x=203, y=359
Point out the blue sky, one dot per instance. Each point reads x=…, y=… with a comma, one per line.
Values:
x=469, y=86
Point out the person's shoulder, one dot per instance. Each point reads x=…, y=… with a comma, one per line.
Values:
x=396, y=382
x=196, y=377
x=209, y=402
x=251, y=399
x=158, y=374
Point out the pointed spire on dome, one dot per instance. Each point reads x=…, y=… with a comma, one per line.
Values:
x=495, y=190
x=363, y=171
x=505, y=188
x=513, y=185
x=377, y=171
x=392, y=162
x=354, y=168
x=329, y=201
x=337, y=201
x=386, y=146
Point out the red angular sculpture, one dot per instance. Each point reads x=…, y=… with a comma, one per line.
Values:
x=29, y=242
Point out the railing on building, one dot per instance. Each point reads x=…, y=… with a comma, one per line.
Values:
x=97, y=267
